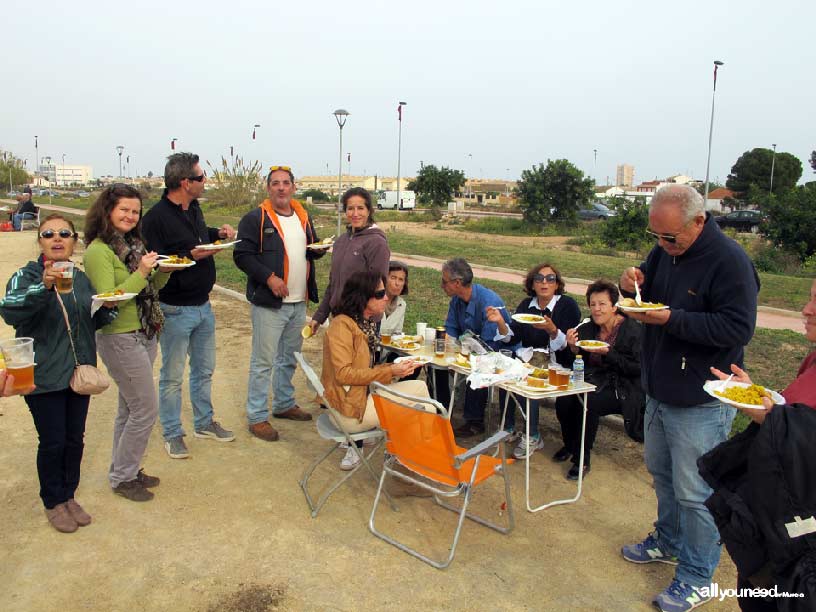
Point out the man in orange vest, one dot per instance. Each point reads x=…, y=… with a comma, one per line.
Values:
x=280, y=271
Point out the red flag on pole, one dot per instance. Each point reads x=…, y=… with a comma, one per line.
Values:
x=231, y=153
x=253, y=133
x=399, y=112
x=173, y=145
x=349, y=157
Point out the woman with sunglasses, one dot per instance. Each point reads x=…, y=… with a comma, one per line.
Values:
x=363, y=247
x=545, y=290
x=117, y=259
x=348, y=350
x=31, y=306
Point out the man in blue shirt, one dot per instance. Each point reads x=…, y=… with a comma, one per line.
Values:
x=467, y=312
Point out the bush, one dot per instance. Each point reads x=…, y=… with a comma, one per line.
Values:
x=772, y=259
x=627, y=230
x=791, y=219
x=315, y=194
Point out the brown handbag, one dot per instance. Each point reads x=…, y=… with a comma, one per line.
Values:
x=86, y=379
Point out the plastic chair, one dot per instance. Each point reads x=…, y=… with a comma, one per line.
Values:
x=32, y=219
x=329, y=428
x=423, y=443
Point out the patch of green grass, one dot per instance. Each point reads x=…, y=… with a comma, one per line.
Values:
x=511, y=226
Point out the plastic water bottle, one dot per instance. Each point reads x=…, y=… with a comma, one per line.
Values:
x=578, y=371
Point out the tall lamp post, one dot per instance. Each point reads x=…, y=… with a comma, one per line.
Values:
x=595, y=165
x=717, y=64
x=254, y=127
x=120, y=149
x=64, y=182
x=341, y=115
x=773, y=161
x=399, y=150
x=37, y=156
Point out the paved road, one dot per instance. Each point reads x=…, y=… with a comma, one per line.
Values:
x=769, y=318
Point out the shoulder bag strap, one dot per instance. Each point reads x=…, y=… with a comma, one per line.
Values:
x=68, y=325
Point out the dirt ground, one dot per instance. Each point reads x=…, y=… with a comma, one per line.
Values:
x=229, y=528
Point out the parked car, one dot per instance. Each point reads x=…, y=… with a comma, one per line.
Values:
x=82, y=194
x=742, y=220
x=11, y=194
x=596, y=210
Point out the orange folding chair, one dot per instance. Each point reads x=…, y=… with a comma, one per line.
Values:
x=423, y=443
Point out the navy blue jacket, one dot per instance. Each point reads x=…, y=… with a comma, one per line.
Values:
x=712, y=291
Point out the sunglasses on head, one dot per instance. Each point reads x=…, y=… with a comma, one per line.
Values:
x=276, y=168
x=378, y=295
x=670, y=238
x=540, y=278
x=63, y=233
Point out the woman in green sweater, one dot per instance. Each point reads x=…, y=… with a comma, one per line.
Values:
x=116, y=259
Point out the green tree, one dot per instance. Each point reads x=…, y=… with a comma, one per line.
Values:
x=435, y=186
x=236, y=185
x=813, y=160
x=556, y=191
x=754, y=168
x=627, y=229
x=12, y=172
x=791, y=218
x=316, y=195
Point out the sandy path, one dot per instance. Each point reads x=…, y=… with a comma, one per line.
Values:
x=229, y=529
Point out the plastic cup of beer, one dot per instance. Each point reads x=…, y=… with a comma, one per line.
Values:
x=19, y=357
x=65, y=281
x=563, y=379
x=385, y=338
x=552, y=374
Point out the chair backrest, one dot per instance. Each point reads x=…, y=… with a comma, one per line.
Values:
x=422, y=441
x=311, y=375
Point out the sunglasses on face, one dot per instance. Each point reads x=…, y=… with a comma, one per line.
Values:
x=540, y=278
x=670, y=238
x=63, y=233
x=378, y=295
x=276, y=168
x=197, y=179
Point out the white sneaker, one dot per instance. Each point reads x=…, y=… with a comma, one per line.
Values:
x=527, y=446
x=351, y=460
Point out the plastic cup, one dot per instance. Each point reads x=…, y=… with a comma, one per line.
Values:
x=385, y=338
x=19, y=357
x=65, y=282
x=421, y=327
x=306, y=332
x=430, y=336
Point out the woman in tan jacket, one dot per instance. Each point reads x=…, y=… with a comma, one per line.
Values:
x=348, y=347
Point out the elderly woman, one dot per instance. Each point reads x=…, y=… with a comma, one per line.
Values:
x=395, y=287
x=32, y=307
x=613, y=369
x=363, y=247
x=545, y=290
x=348, y=350
x=116, y=259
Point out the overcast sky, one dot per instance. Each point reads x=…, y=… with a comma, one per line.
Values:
x=491, y=87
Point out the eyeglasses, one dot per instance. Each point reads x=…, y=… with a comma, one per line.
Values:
x=378, y=295
x=670, y=238
x=284, y=168
x=63, y=233
x=197, y=179
x=540, y=278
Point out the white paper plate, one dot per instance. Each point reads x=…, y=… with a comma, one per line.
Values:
x=418, y=359
x=217, y=247
x=163, y=264
x=519, y=318
x=397, y=347
x=115, y=298
x=580, y=343
x=719, y=385
x=452, y=361
x=633, y=309
x=529, y=389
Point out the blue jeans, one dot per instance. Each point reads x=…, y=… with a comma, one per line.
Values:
x=676, y=436
x=17, y=219
x=188, y=330
x=275, y=339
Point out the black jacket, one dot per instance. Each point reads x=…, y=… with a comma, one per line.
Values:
x=712, y=291
x=763, y=478
x=169, y=230
x=565, y=315
x=619, y=370
x=259, y=260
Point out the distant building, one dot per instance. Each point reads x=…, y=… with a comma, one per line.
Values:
x=717, y=198
x=624, y=175
x=328, y=184
x=64, y=175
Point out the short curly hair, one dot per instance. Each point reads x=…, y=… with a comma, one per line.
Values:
x=530, y=279
x=603, y=286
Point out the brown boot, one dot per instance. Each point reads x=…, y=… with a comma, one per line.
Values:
x=295, y=413
x=60, y=519
x=76, y=511
x=264, y=431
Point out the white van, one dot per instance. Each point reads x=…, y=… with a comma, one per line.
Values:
x=388, y=199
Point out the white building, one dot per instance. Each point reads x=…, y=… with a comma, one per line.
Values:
x=66, y=175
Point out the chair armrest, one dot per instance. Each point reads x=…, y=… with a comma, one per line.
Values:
x=481, y=448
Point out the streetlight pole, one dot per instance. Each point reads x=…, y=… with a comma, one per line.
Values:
x=595, y=165
x=341, y=115
x=773, y=161
x=257, y=125
x=37, y=155
x=63, y=170
x=399, y=150
x=717, y=64
x=120, y=149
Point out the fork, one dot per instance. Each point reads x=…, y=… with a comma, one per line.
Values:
x=637, y=294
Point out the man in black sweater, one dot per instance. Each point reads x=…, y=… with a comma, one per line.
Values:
x=175, y=226
x=710, y=286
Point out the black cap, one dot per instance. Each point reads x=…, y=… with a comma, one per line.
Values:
x=26, y=189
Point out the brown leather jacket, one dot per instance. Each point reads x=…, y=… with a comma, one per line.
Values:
x=346, y=371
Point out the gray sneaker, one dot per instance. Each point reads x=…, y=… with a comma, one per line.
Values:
x=214, y=431
x=176, y=448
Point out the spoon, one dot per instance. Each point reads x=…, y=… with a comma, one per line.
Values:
x=637, y=294
x=585, y=321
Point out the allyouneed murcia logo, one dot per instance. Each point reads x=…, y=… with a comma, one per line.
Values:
x=716, y=592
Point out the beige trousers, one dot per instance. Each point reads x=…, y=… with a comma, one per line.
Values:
x=370, y=420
